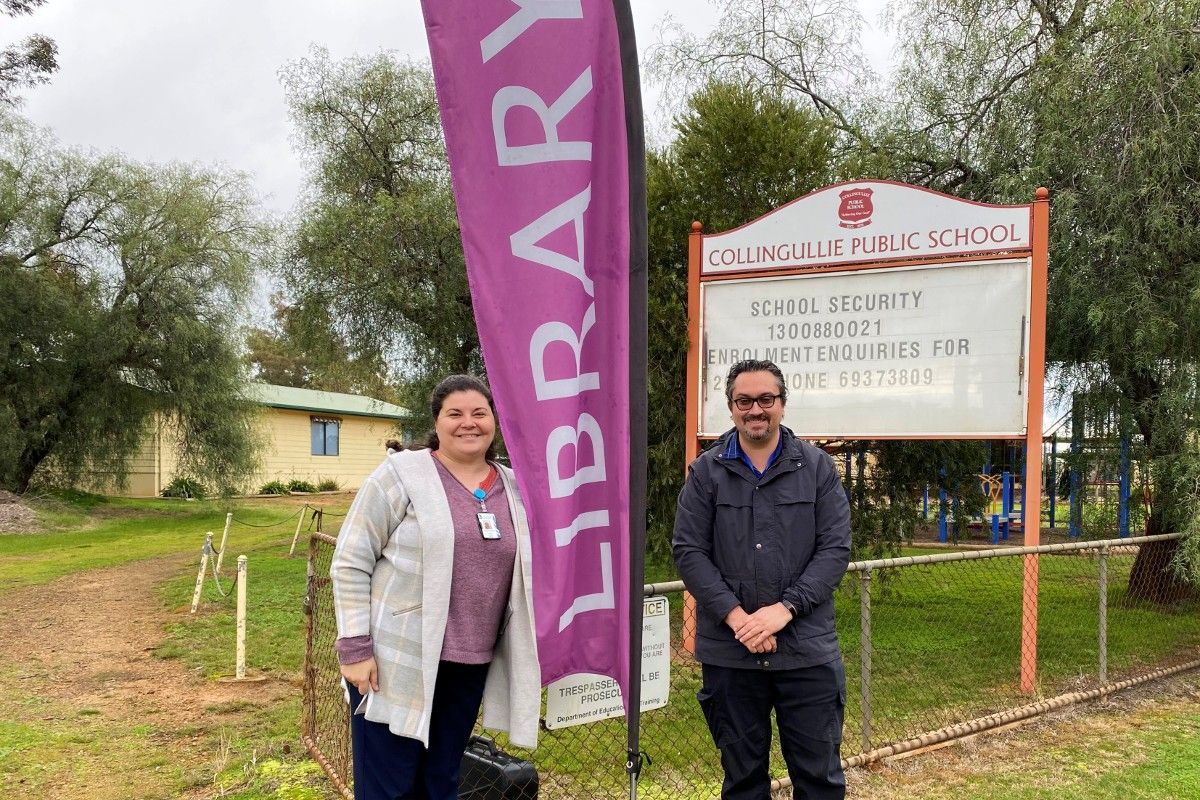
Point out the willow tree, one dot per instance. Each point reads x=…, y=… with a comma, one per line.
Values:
x=301, y=347
x=1099, y=100
x=1116, y=137
x=27, y=63
x=122, y=284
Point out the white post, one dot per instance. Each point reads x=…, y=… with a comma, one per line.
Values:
x=224, y=539
x=241, y=618
x=208, y=537
x=295, y=538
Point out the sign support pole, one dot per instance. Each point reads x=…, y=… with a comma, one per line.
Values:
x=695, y=395
x=1036, y=382
x=695, y=392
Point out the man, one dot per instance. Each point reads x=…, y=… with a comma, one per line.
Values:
x=762, y=539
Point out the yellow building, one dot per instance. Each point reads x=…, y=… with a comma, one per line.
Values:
x=306, y=434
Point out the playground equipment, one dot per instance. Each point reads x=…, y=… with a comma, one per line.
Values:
x=1099, y=459
x=1097, y=447
x=1004, y=490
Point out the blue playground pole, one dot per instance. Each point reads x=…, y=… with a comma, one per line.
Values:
x=1006, y=502
x=1053, y=475
x=943, y=535
x=995, y=529
x=1123, y=491
x=1076, y=499
x=925, y=504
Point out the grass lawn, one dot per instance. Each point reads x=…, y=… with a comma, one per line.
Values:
x=87, y=532
x=945, y=647
x=251, y=748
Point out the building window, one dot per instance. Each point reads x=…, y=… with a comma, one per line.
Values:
x=325, y=436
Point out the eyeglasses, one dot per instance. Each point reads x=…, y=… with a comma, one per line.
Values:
x=764, y=401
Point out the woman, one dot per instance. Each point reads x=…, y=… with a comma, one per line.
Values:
x=431, y=590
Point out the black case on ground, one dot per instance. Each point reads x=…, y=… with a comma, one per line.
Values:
x=489, y=773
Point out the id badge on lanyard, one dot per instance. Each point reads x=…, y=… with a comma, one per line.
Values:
x=488, y=527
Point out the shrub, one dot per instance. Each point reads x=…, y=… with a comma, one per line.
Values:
x=297, y=485
x=185, y=487
x=328, y=485
x=274, y=487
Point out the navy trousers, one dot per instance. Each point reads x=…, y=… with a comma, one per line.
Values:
x=809, y=707
x=391, y=767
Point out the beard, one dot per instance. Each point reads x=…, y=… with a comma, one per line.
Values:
x=766, y=433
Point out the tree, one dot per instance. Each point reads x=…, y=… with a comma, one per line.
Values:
x=806, y=50
x=122, y=284
x=1096, y=99
x=1118, y=141
x=303, y=349
x=377, y=244
x=26, y=64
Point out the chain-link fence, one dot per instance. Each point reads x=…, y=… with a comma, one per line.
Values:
x=326, y=720
x=932, y=645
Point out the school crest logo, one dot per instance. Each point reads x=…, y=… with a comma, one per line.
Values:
x=855, y=209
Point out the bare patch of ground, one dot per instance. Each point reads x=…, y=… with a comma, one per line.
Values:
x=15, y=516
x=77, y=674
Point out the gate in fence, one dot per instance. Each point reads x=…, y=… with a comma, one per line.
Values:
x=932, y=646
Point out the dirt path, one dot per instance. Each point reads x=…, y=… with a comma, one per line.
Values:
x=93, y=711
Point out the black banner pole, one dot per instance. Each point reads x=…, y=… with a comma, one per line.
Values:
x=635, y=136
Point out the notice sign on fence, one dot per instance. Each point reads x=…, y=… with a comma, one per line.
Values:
x=586, y=697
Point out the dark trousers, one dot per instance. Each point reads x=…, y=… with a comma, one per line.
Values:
x=391, y=767
x=809, y=706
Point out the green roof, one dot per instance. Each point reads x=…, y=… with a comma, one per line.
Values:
x=328, y=402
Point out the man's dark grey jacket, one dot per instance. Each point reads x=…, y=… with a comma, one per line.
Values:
x=749, y=541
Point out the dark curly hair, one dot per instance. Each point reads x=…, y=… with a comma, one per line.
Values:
x=753, y=365
x=448, y=386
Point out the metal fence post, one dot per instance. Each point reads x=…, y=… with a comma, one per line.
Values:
x=205, y=553
x=864, y=655
x=296, y=538
x=309, y=719
x=240, y=664
x=1103, y=614
x=224, y=541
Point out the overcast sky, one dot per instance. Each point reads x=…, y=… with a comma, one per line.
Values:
x=197, y=80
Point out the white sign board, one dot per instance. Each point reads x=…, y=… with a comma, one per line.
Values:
x=587, y=697
x=926, y=351
x=867, y=221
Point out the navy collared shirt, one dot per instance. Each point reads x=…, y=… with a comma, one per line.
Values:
x=734, y=450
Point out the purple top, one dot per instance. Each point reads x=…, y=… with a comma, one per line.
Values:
x=483, y=571
x=480, y=582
